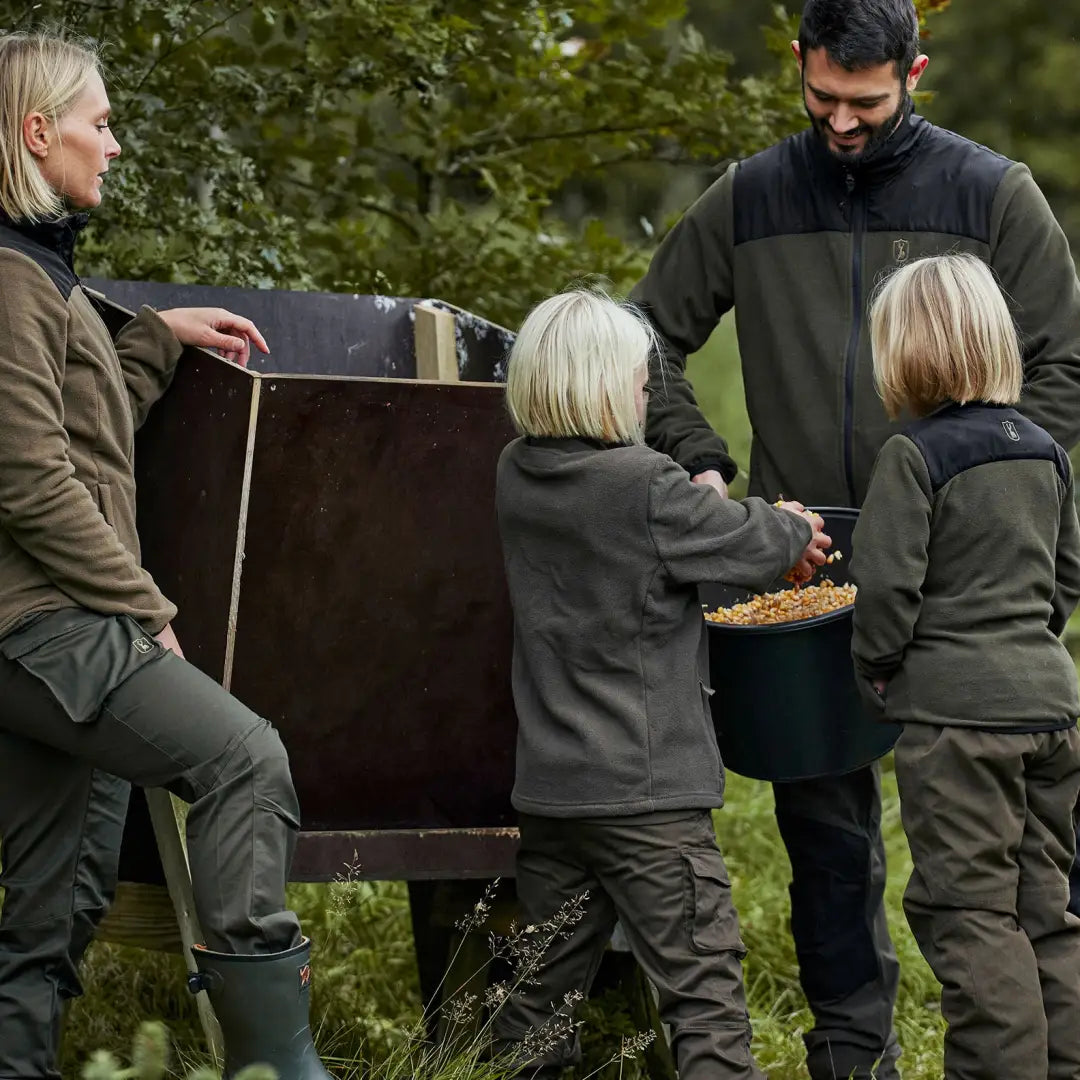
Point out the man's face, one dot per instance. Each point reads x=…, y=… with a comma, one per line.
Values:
x=854, y=111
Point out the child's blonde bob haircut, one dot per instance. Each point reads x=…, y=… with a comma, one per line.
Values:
x=573, y=367
x=941, y=331
x=43, y=73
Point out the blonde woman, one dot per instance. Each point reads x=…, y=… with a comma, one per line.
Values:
x=94, y=691
x=967, y=558
x=605, y=542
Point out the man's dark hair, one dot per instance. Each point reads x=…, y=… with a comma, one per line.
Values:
x=859, y=34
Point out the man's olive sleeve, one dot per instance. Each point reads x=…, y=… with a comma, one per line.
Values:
x=1030, y=255
x=688, y=287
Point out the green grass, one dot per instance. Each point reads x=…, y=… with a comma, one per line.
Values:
x=366, y=996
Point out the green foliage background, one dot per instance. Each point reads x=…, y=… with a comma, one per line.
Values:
x=485, y=152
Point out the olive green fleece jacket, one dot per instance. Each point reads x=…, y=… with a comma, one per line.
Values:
x=604, y=548
x=796, y=243
x=967, y=560
x=70, y=402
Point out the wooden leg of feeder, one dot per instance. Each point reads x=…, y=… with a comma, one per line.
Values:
x=178, y=878
x=641, y=1000
x=461, y=1016
x=659, y=1060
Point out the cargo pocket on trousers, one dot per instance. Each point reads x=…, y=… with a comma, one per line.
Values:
x=708, y=909
x=80, y=656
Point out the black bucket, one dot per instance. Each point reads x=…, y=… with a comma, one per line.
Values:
x=786, y=706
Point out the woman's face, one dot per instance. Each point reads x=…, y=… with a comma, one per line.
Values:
x=74, y=154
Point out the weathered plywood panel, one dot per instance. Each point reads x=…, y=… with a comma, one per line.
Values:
x=373, y=627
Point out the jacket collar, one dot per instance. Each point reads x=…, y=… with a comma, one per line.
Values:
x=573, y=444
x=883, y=162
x=58, y=235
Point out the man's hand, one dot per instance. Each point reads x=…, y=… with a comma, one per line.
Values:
x=215, y=328
x=713, y=479
x=814, y=555
x=167, y=637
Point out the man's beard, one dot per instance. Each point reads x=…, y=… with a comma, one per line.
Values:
x=876, y=136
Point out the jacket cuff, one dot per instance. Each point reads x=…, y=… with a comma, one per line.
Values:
x=158, y=334
x=725, y=466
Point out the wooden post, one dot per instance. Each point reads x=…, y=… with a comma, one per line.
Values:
x=178, y=877
x=436, y=345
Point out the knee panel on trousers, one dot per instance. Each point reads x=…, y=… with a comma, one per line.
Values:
x=262, y=755
x=830, y=907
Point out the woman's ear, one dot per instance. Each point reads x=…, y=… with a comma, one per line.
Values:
x=37, y=134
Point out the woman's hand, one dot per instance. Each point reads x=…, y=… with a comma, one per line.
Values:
x=167, y=637
x=814, y=555
x=215, y=328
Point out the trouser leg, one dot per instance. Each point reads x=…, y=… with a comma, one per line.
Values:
x=673, y=897
x=1052, y=780
x=60, y=828
x=847, y=965
x=551, y=876
x=182, y=731
x=963, y=804
x=168, y=725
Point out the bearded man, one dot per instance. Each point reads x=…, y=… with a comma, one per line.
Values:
x=795, y=239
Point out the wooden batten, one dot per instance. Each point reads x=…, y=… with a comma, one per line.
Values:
x=436, y=344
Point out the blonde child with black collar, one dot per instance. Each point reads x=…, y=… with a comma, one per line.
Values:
x=967, y=559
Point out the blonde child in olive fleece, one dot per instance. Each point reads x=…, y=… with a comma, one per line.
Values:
x=605, y=542
x=967, y=559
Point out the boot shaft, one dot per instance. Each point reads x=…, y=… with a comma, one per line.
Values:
x=262, y=1004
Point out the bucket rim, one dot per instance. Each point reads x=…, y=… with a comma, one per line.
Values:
x=849, y=512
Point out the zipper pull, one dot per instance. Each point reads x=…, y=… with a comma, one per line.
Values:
x=849, y=182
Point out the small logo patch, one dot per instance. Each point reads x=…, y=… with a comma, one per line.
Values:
x=305, y=976
x=901, y=249
x=1010, y=430
x=143, y=645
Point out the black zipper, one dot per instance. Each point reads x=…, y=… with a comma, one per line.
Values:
x=858, y=228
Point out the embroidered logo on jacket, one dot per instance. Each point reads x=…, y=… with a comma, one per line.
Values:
x=143, y=645
x=901, y=249
x=1010, y=430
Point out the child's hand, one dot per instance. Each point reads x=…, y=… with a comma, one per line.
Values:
x=814, y=555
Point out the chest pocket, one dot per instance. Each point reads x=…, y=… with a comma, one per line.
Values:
x=80, y=656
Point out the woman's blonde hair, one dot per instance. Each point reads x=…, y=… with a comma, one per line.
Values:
x=44, y=73
x=573, y=366
x=941, y=331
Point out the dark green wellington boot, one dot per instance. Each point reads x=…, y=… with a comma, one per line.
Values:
x=261, y=1003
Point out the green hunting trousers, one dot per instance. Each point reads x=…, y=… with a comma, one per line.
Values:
x=831, y=828
x=88, y=705
x=989, y=818
x=663, y=878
